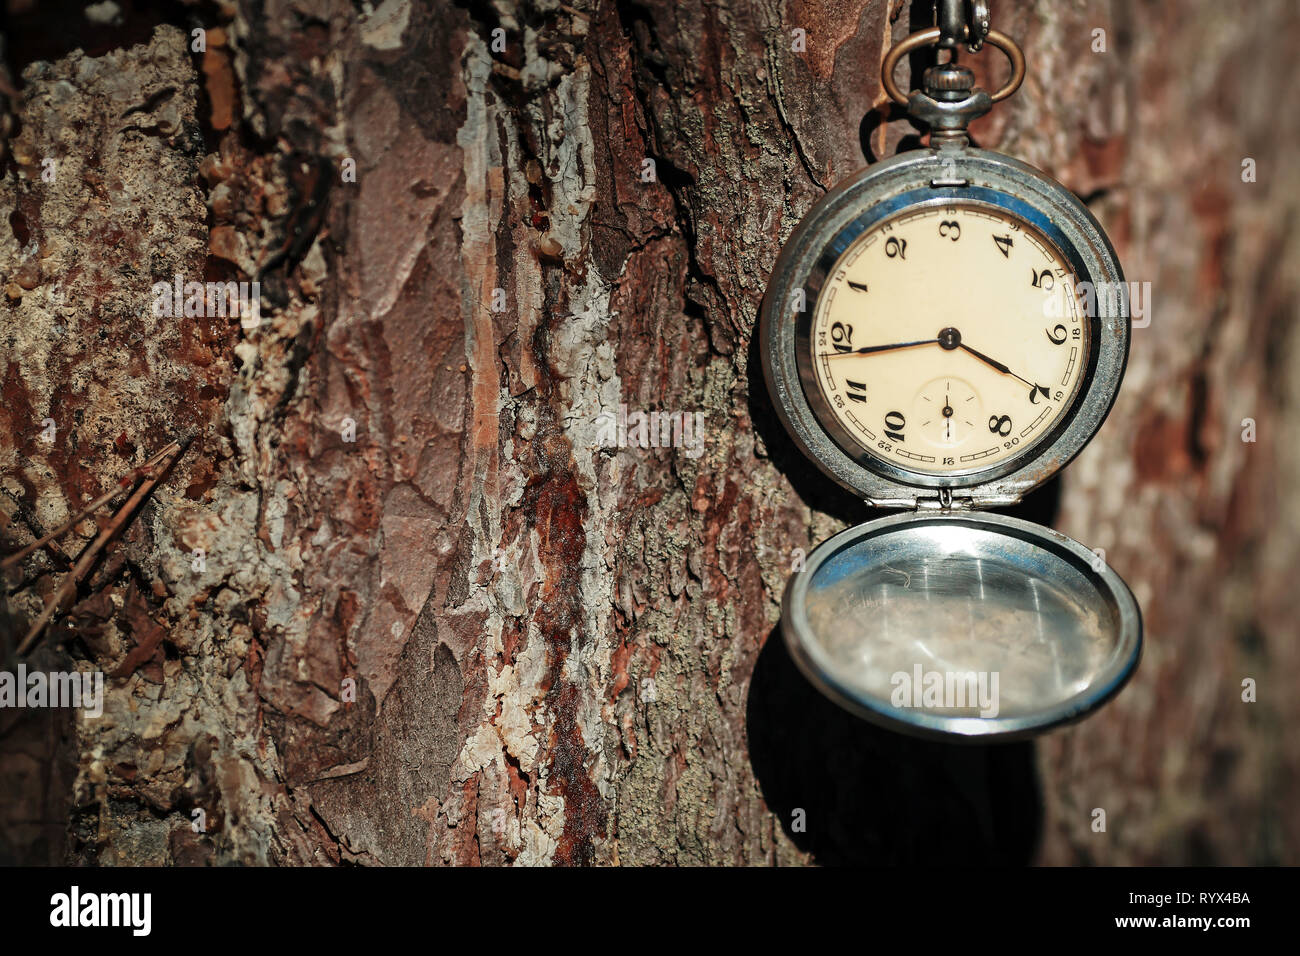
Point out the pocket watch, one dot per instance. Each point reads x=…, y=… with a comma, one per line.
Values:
x=941, y=334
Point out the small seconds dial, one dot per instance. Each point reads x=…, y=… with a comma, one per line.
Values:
x=947, y=340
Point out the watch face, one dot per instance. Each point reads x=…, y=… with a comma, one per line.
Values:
x=945, y=340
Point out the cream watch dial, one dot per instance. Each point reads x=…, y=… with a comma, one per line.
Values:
x=945, y=339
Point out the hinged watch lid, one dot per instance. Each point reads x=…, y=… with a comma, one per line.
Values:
x=962, y=624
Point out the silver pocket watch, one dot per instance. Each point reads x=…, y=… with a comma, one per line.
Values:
x=941, y=334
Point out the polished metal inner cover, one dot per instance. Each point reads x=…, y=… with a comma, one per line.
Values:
x=962, y=624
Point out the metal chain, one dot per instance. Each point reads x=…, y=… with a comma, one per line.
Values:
x=962, y=21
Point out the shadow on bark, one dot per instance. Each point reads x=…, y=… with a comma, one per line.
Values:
x=873, y=797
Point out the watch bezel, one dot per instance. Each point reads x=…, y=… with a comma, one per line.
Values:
x=807, y=650
x=914, y=180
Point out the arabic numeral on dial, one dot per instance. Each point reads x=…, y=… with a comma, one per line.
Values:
x=896, y=248
x=1057, y=335
x=1004, y=245
x=894, y=423
x=842, y=337
x=1000, y=425
x=857, y=391
x=1042, y=280
x=950, y=229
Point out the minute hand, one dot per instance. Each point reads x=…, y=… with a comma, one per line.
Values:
x=868, y=349
x=994, y=363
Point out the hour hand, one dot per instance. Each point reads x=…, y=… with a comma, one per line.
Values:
x=994, y=363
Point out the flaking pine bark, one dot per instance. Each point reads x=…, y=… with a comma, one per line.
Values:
x=404, y=600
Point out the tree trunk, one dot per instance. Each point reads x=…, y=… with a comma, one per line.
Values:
x=398, y=605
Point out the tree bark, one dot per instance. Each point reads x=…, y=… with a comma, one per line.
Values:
x=435, y=622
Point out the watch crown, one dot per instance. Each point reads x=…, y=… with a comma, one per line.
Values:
x=948, y=81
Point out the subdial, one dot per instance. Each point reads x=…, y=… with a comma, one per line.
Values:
x=947, y=410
